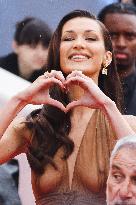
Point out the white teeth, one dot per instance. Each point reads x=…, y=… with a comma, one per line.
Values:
x=79, y=57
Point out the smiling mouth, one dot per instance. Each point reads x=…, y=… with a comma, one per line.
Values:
x=79, y=57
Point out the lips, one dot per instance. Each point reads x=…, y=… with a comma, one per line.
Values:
x=120, y=55
x=79, y=56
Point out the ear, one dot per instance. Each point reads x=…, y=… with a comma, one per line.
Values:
x=15, y=46
x=107, y=59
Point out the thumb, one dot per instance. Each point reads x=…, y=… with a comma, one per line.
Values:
x=57, y=104
x=72, y=105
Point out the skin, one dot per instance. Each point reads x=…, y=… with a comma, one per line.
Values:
x=30, y=58
x=127, y=1
x=82, y=48
x=121, y=184
x=13, y=143
x=122, y=28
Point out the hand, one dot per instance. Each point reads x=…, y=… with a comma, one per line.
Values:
x=38, y=92
x=93, y=97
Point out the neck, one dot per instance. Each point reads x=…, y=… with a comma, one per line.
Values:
x=76, y=92
x=124, y=72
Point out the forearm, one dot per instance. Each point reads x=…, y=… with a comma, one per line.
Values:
x=117, y=121
x=9, y=112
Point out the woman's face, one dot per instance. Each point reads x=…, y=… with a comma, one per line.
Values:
x=82, y=47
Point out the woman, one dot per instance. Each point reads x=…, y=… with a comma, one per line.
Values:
x=30, y=49
x=68, y=141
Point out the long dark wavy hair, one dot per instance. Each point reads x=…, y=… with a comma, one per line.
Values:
x=49, y=125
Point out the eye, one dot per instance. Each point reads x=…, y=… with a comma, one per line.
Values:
x=114, y=35
x=134, y=180
x=90, y=39
x=130, y=36
x=117, y=177
x=68, y=39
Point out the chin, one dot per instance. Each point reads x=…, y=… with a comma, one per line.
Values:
x=78, y=68
x=37, y=68
x=121, y=63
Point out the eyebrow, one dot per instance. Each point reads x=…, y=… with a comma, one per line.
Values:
x=115, y=167
x=125, y=32
x=119, y=168
x=72, y=31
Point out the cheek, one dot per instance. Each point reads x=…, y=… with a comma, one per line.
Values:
x=62, y=56
x=133, y=49
x=30, y=57
x=112, y=191
x=99, y=53
x=25, y=54
x=113, y=43
x=27, y=57
x=45, y=54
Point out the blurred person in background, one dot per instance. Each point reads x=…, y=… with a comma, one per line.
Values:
x=9, y=173
x=121, y=183
x=128, y=1
x=30, y=49
x=120, y=19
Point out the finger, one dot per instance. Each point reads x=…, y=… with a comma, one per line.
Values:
x=46, y=74
x=57, y=104
x=77, y=80
x=73, y=104
x=54, y=80
x=75, y=73
x=47, y=82
x=60, y=76
x=57, y=74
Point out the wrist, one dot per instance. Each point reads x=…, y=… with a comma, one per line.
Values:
x=109, y=106
x=18, y=102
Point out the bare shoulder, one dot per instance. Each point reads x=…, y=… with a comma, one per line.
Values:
x=131, y=119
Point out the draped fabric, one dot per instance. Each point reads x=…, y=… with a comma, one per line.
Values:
x=71, y=198
x=91, y=168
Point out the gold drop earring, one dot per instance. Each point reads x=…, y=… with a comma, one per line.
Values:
x=104, y=69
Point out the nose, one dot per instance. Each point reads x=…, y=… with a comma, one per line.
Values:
x=120, y=42
x=125, y=191
x=79, y=43
x=42, y=53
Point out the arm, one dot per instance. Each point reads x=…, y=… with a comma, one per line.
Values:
x=9, y=112
x=94, y=98
x=12, y=141
x=36, y=93
x=117, y=120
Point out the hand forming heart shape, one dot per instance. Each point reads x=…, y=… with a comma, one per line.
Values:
x=38, y=91
x=90, y=95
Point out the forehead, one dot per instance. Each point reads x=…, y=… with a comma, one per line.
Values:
x=119, y=22
x=81, y=24
x=125, y=158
